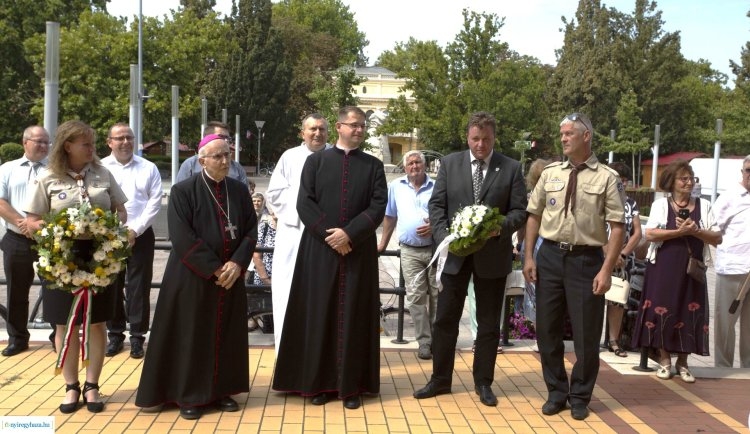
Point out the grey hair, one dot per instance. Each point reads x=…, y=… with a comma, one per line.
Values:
x=746, y=160
x=412, y=153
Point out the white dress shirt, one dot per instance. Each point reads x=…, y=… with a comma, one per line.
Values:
x=141, y=182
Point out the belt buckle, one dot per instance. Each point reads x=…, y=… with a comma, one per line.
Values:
x=565, y=246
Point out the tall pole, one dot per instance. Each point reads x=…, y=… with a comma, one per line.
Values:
x=134, y=97
x=138, y=132
x=204, y=114
x=612, y=153
x=259, y=124
x=52, y=78
x=237, y=138
x=175, y=130
x=224, y=115
x=717, y=156
x=655, y=163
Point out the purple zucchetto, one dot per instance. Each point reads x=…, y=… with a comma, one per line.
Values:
x=210, y=138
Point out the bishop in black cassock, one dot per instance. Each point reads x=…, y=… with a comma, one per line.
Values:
x=197, y=349
x=330, y=344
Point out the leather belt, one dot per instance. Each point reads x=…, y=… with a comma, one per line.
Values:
x=415, y=247
x=571, y=247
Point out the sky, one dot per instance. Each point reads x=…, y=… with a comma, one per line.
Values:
x=712, y=30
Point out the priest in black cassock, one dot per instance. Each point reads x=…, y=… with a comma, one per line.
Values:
x=197, y=349
x=330, y=345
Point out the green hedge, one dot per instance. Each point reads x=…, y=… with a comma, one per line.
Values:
x=10, y=151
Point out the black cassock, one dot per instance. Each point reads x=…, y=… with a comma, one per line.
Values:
x=330, y=341
x=197, y=349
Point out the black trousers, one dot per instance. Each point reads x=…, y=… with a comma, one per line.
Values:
x=18, y=260
x=565, y=282
x=133, y=300
x=489, y=294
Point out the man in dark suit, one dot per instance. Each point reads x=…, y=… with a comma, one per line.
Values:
x=502, y=187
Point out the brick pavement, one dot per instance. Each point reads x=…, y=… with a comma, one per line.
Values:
x=624, y=400
x=622, y=403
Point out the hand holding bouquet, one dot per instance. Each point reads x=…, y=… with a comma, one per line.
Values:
x=472, y=226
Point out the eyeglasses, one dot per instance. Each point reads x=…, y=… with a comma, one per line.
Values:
x=219, y=156
x=578, y=117
x=687, y=179
x=122, y=138
x=41, y=142
x=354, y=125
x=746, y=170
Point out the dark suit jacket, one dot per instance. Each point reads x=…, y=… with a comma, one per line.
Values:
x=503, y=188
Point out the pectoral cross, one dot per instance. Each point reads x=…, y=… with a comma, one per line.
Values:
x=231, y=228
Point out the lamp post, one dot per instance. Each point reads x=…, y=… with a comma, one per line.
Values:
x=259, y=124
x=522, y=146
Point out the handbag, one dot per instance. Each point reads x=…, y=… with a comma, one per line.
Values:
x=619, y=290
x=695, y=267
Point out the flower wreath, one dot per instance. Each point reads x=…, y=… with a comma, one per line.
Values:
x=472, y=226
x=470, y=229
x=62, y=269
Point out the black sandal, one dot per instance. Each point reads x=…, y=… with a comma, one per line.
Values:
x=93, y=407
x=615, y=348
x=71, y=406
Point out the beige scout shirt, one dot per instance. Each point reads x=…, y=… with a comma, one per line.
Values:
x=53, y=193
x=599, y=198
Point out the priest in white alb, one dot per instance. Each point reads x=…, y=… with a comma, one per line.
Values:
x=281, y=197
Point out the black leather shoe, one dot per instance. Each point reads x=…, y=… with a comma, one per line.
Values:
x=190, y=413
x=227, y=404
x=551, y=408
x=113, y=348
x=352, y=402
x=13, y=349
x=579, y=411
x=486, y=396
x=320, y=399
x=136, y=349
x=431, y=390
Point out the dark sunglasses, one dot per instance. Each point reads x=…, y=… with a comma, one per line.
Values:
x=578, y=117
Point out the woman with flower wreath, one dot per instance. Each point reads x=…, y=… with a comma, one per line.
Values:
x=74, y=176
x=673, y=312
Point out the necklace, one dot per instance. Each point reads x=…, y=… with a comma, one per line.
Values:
x=229, y=227
x=687, y=202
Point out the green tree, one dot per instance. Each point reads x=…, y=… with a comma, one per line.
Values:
x=425, y=68
x=331, y=17
x=655, y=69
x=184, y=50
x=587, y=77
x=255, y=80
x=630, y=133
x=477, y=71
x=201, y=8
x=94, y=71
x=20, y=87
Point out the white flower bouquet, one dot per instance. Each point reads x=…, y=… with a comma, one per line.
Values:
x=61, y=267
x=472, y=226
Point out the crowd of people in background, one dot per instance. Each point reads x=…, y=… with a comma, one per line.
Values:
x=570, y=222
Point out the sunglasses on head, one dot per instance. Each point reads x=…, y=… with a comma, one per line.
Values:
x=578, y=117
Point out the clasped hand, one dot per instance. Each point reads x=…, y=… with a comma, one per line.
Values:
x=687, y=226
x=227, y=274
x=338, y=240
